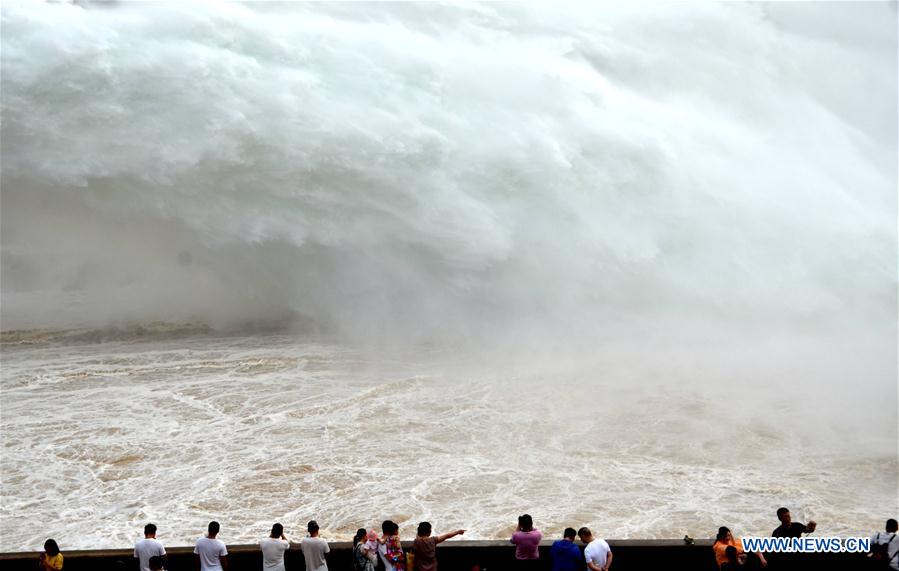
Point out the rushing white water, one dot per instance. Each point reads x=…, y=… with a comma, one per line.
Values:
x=101, y=438
x=628, y=265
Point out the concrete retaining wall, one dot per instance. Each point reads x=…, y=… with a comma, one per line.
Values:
x=453, y=555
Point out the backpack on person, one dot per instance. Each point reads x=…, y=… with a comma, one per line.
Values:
x=880, y=553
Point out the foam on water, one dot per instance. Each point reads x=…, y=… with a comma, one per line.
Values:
x=251, y=430
x=625, y=265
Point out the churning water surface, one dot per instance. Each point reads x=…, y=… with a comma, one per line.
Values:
x=625, y=265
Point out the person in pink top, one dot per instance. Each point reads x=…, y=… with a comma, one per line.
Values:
x=526, y=540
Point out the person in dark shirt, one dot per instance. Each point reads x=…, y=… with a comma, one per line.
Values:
x=790, y=528
x=565, y=555
x=732, y=560
x=424, y=548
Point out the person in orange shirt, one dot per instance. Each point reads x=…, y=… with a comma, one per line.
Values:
x=725, y=539
x=51, y=558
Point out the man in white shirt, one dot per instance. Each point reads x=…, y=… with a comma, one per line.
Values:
x=314, y=549
x=212, y=555
x=889, y=539
x=148, y=547
x=597, y=553
x=273, y=548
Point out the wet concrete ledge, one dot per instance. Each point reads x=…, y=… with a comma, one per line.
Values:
x=453, y=555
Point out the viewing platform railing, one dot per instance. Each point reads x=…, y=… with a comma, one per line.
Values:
x=453, y=555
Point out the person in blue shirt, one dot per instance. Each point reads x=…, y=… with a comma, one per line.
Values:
x=565, y=554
